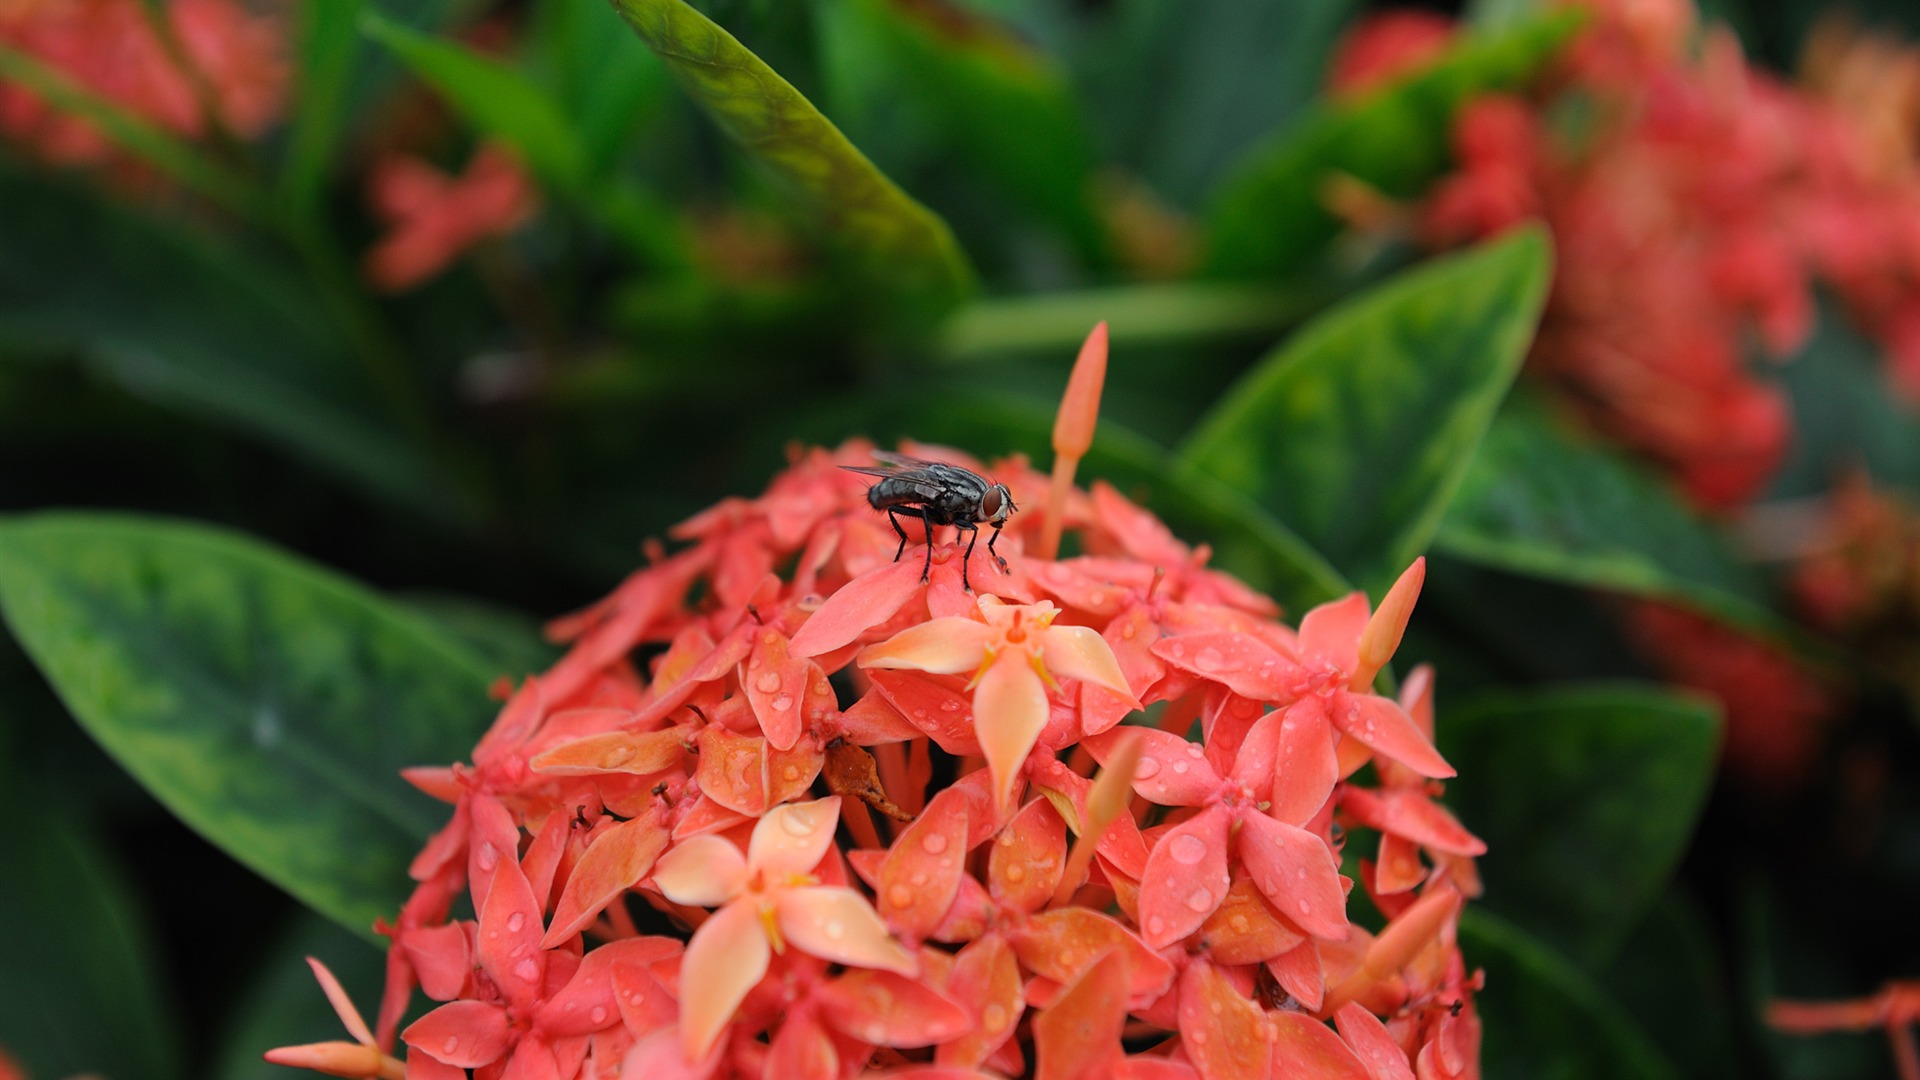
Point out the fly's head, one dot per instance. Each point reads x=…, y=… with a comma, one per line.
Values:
x=996, y=505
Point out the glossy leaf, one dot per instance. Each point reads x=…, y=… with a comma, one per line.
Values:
x=506, y=641
x=1001, y=105
x=1586, y=797
x=77, y=947
x=1547, y=502
x=1270, y=219
x=174, y=317
x=1543, y=1017
x=899, y=242
x=1357, y=430
x=606, y=87
x=268, y=703
x=494, y=97
x=329, y=38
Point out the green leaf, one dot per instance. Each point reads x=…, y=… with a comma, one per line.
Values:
x=268, y=703
x=329, y=38
x=901, y=245
x=1843, y=416
x=1544, y=501
x=1270, y=218
x=163, y=310
x=1671, y=978
x=1000, y=105
x=1357, y=430
x=606, y=87
x=1545, y=1020
x=1586, y=797
x=79, y=987
x=1136, y=315
x=282, y=1004
x=494, y=98
x=508, y=642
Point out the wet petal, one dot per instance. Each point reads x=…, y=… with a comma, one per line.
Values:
x=442, y=958
x=590, y=1000
x=1009, y=711
x=856, y=607
x=1305, y=765
x=614, y=862
x=1245, y=930
x=1410, y=813
x=1384, y=726
x=793, y=838
x=701, y=871
x=510, y=932
x=468, y=1034
x=1079, y=652
x=802, y=1049
x=614, y=752
x=1398, y=868
x=332, y=1058
x=886, y=1009
x=1221, y=1029
x=1078, y=1036
x=986, y=979
x=1171, y=771
x=1299, y=973
x=733, y=770
x=1331, y=632
x=942, y=713
x=1240, y=662
x=949, y=646
x=1305, y=1047
x=727, y=956
x=920, y=876
x=1186, y=877
x=1296, y=872
x=1028, y=857
x=342, y=1004
x=1063, y=943
x=838, y=924
x=1382, y=634
x=1372, y=1044
x=776, y=685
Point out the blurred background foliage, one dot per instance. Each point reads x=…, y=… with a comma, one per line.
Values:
x=431, y=311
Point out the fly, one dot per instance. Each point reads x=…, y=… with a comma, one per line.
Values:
x=938, y=494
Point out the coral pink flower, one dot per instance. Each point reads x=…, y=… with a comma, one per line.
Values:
x=1386, y=44
x=766, y=899
x=433, y=219
x=359, y=1058
x=1895, y=1009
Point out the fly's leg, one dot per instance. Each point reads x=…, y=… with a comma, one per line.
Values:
x=992, y=540
x=926, y=568
x=972, y=539
x=894, y=520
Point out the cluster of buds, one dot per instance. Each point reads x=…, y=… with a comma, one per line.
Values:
x=787, y=808
x=1694, y=201
x=193, y=67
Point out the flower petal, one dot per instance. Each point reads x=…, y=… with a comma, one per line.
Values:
x=1186, y=878
x=1385, y=727
x=614, y=752
x=591, y=1001
x=837, y=924
x=1331, y=632
x=1409, y=813
x=1372, y=1044
x=1296, y=872
x=886, y=1009
x=1028, y=857
x=1244, y=930
x=1305, y=766
x=1171, y=772
x=776, y=684
x=733, y=770
x=802, y=1049
x=727, y=956
x=792, y=839
x=701, y=871
x=614, y=862
x=1063, y=943
x=342, y=1004
x=986, y=979
x=1009, y=711
x=1079, y=652
x=468, y=1034
x=1221, y=1029
x=856, y=607
x=1299, y=973
x=920, y=876
x=510, y=932
x=1240, y=662
x=1303, y=1046
x=1078, y=1036
x=949, y=646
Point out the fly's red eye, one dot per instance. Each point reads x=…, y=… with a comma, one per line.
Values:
x=990, y=502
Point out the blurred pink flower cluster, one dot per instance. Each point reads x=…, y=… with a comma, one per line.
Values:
x=1694, y=201
x=190, y=66
x=785, y=809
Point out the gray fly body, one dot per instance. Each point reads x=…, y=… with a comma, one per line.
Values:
x=938, y=494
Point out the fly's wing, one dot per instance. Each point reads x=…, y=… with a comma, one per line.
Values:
x=914, y=481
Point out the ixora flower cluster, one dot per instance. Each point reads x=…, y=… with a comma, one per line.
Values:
x=880, y=823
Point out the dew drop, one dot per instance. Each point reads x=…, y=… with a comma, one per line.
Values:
x=797, y=822
x=515, y=921
x=1194, y=751
x=768, y=682
x=1147, y=767
x=527, y=970
x=782, y=703
x=1302, y=906
x=598, y=1016
x=994, y=1016
x=834, y=929
x=918, y=879
x=1187, y=848
x=899, y=896
x=452, y=1044
x=1301, y=873
x=487, y=856
x=1197, y=1038
x=949, y=705
x=1155, y=925
x=934, y=843
x=1201, y=900
x=791, y=772
x=1209, y=659
x=1180, y=766
x=1239, y=924
x=1127, y=632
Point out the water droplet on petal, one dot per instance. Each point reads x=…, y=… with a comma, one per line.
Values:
x=934, y=842
x=487, y=856
x=1197, y=1038
x=598, y=1016
x=1016, y=873
x=899, y=896
x=1187, y=848
x=1303, y=907
x=993, y=1017
x=797, y=822
x=452, y=1044
x=1180, y=766
x=1201, y=900
x=791, y=772
x=782, y=703
x=918, y=879
x=768, y=682
x=527, y=970
x=1239, y=924
x=834, y=929
x=1155, y=925
x=515, y=921
x=949, y=705
x=1209, y=659
x=1147, y=767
